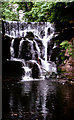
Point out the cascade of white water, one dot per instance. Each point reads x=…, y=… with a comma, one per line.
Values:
x=21, y=42
x=27, y=73
x=44, y=33
x=11, y=49
x=37, y=47
x=47, y=37
x=45, y=40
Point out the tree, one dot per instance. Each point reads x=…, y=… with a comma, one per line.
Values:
x=39, y=11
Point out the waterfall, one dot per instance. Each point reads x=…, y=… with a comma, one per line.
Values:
x=47, y=37
x=12, y=49
x=21, y=42
x=27, y=73
x=33, y=46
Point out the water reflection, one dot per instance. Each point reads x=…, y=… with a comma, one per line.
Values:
x=38, y=100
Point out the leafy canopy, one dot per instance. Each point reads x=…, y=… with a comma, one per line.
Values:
x=39, y=11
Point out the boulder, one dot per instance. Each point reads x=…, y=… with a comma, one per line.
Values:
x=34, y=67
x=12, y=68
x=29, y=35
x=35, y=71
x=6, y=42
x=16, y=47
x=26, y=50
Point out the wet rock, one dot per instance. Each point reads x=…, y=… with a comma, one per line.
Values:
x=16, y=47
x=12, y=68
x=29, y=35
x=6, y=47
x=55, y=53
x=49, y=49
x=35, y=71
x=42, y=33
x=3, y=28
x=36, y=56
x=36, y=51
x=26, y=50
x=48, y=31
x=35, y=68
x=41, y=47
x=34, y=46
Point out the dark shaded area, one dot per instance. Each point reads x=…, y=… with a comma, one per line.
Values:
x=12, y=68
x=16, y=47
x=26, y=52
x=35, y=71
x=42, y=33
x=66, y=31
x=6, y=42
x=3, y=28
x=30, y=35
x=55, y=54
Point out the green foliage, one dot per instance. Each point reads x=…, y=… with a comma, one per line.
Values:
x=65, y=45
x=39, y=11
x=50, y=12
x=7, y=12
x=25, y=6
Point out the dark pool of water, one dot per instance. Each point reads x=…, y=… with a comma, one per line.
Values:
x=37, y=100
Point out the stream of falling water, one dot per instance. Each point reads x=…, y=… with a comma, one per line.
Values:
x=43, y=31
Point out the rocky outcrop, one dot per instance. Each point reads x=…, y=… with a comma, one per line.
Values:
x=67, y=69
x=29, y=35
x=31, y=48
x=65, y=65
x=35, y=71
x=16, y=47
x=35, y=67
x=6, y=42
x=26, y=50
x=12, y=68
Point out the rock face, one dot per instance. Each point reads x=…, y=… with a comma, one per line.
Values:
x=6, y=42
x=55, y=53
x=12, y=68
x=26, y=50
x=31, y=47
x=64, y=32
x=35, y=71
x=16, y=47
x=29, y=35
x=68, y=68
